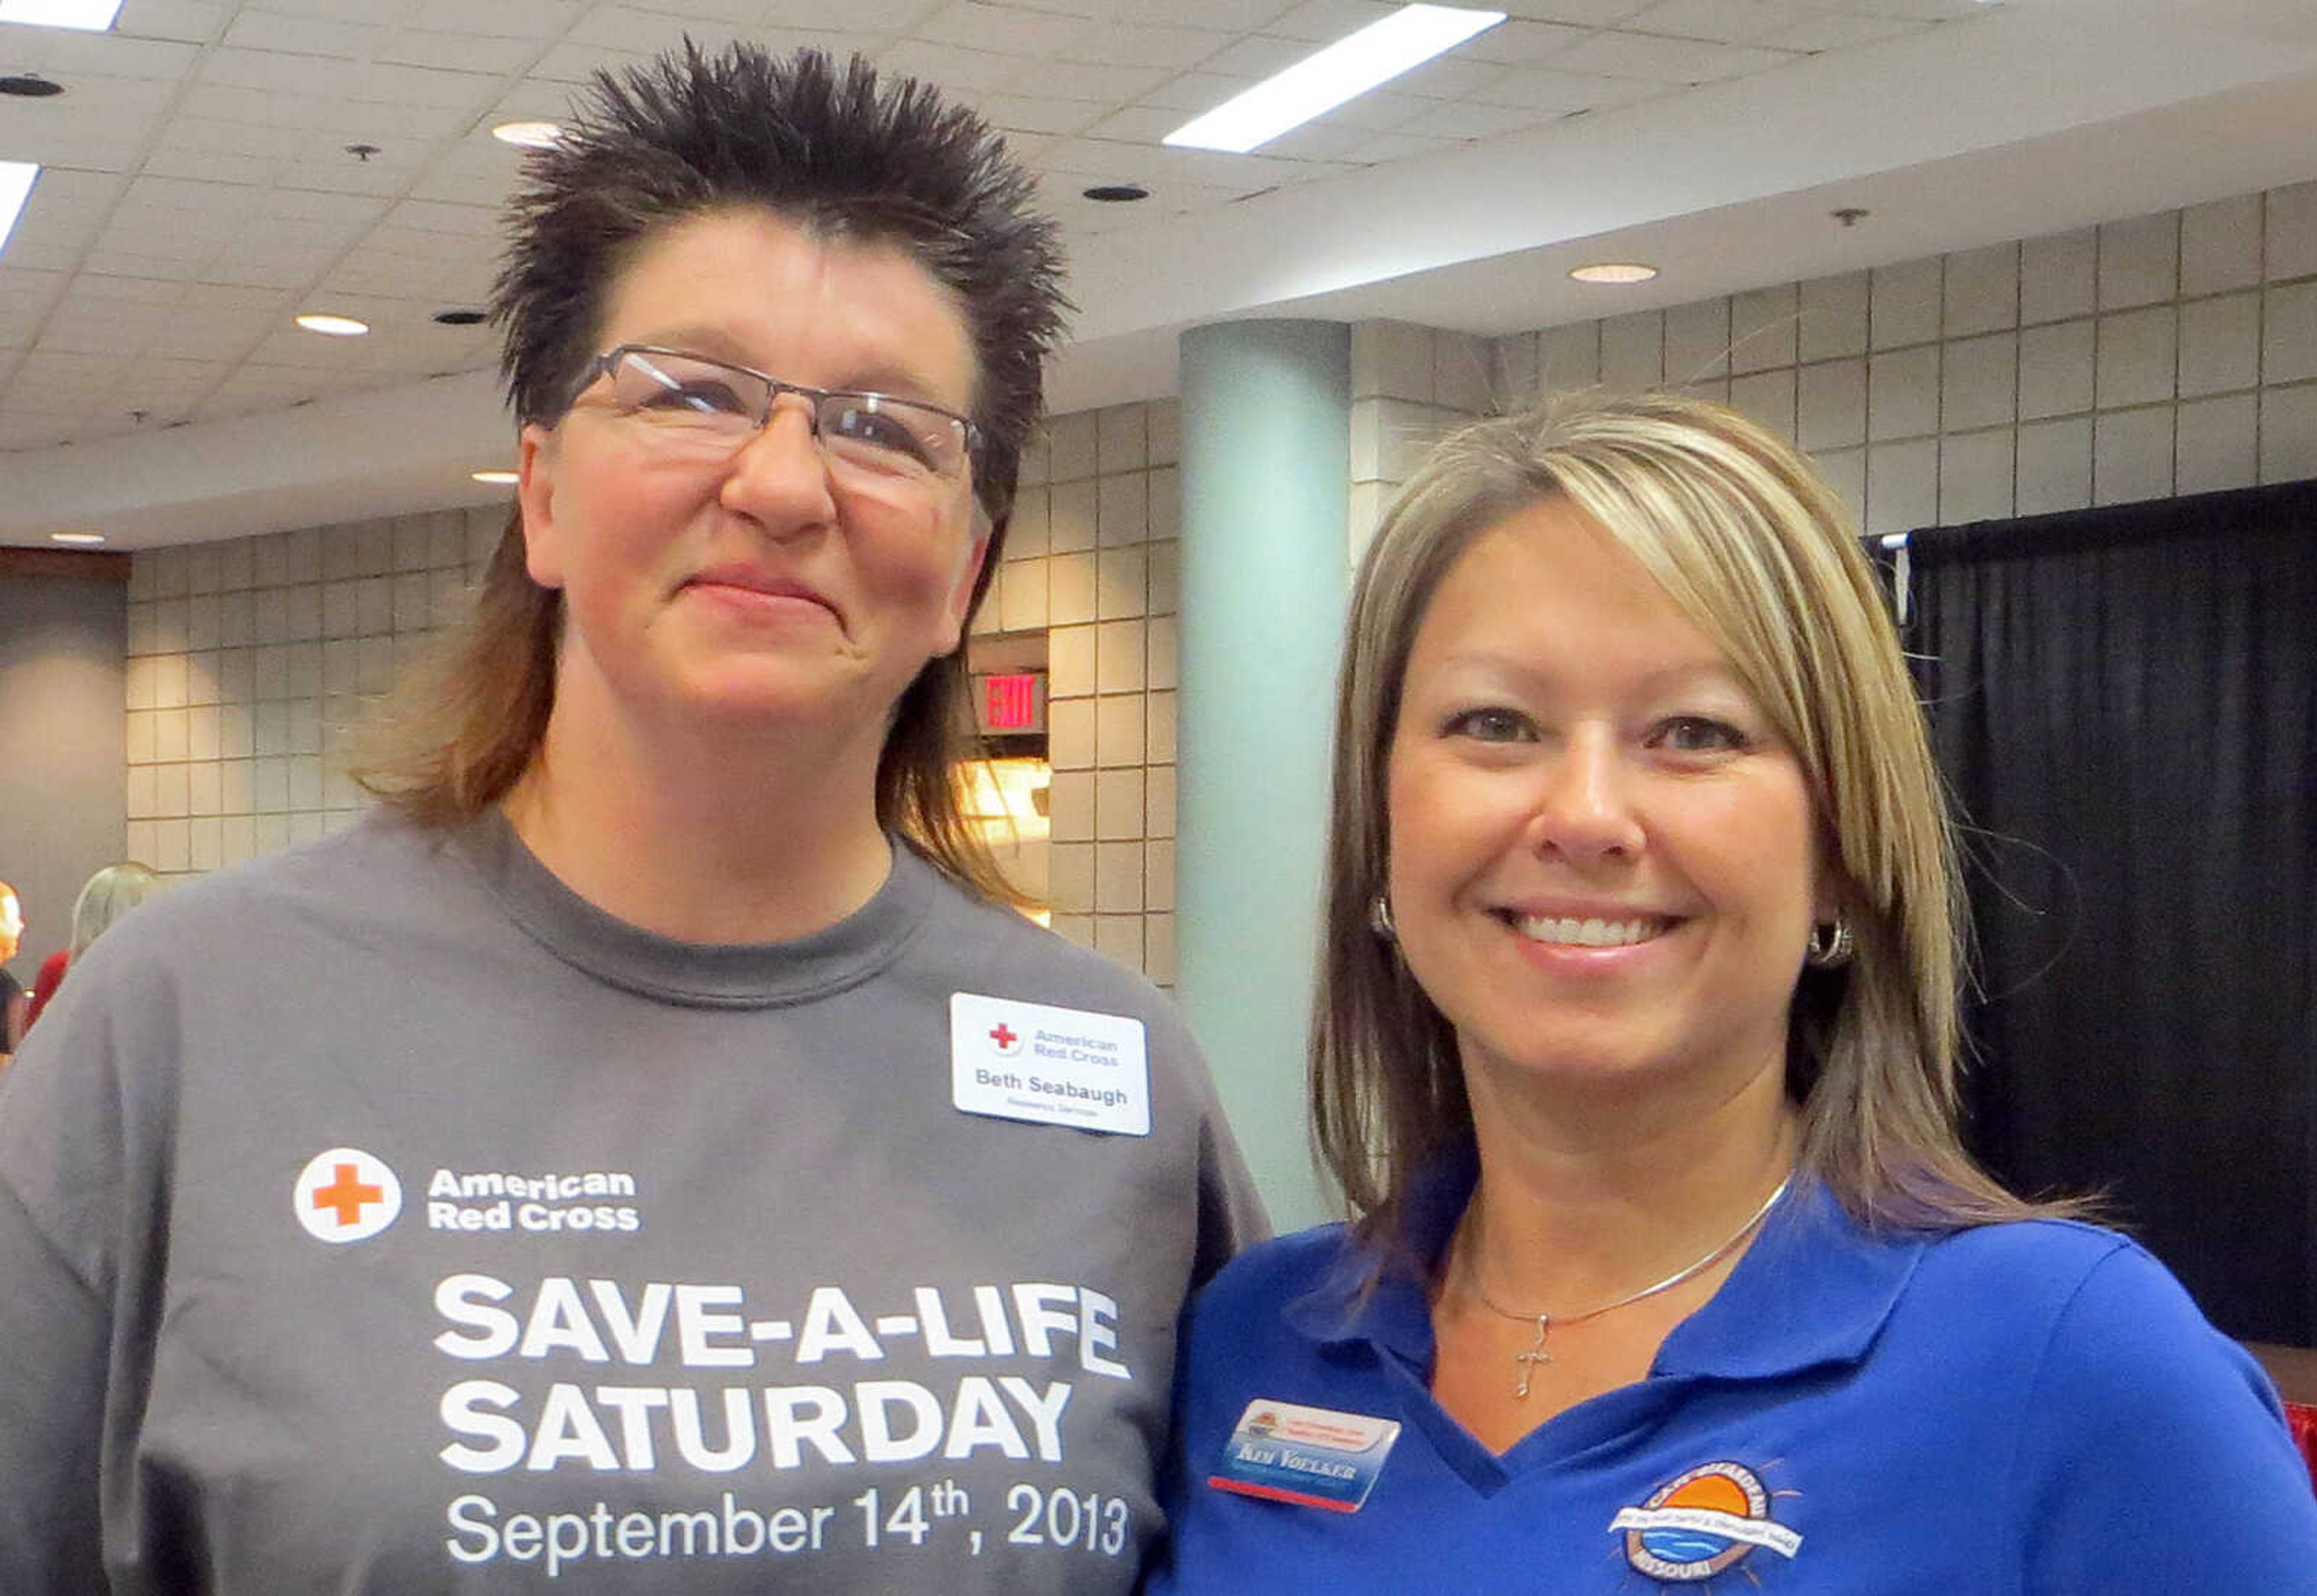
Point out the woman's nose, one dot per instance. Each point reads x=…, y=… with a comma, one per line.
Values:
x=1585, y=803
x=780, y=479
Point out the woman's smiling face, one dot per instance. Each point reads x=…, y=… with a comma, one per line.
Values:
x=1602, y=859
x=756, y=587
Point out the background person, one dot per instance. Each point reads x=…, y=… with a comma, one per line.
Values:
x=15, y=1009
x=105, y=897
x=1635, y=1058
x=644, y=1155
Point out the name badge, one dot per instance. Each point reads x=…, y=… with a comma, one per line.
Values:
x=1013, y=1060
x=1309, y=1457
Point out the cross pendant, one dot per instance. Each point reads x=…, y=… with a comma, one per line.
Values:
x=1535, y=1355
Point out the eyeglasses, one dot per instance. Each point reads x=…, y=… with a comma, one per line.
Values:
x=690, y=405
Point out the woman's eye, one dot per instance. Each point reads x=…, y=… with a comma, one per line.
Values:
x=879, y=430
x=1491, y=725
x=1696, y=734
x=706, y=397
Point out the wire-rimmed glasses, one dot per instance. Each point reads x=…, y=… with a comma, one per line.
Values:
x=692, y=405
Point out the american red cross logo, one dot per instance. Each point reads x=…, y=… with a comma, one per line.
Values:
x=1002, y=1036
x=346, y=1193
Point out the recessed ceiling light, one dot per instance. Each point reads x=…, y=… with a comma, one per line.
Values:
x=93, y=16
x=30, y=86
x=16, y=188
x=530, y=135
x=496, y=479
x=1117, y=194
x=1350, y=66
x=461, y=316
x=1613, y=271
x=77, y=538
x=335, y=327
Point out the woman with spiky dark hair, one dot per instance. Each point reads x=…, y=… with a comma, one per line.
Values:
x=648, y=1152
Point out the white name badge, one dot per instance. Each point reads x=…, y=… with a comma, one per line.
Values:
x=1049, y=1066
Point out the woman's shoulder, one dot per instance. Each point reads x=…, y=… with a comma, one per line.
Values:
x=2091, y=1307
x=1282, y=1267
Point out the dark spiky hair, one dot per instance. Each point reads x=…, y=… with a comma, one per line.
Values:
x=834, y=149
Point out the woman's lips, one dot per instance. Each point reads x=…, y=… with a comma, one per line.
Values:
x=759, y=590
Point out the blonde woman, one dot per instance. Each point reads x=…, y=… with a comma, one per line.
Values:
x=1635, y=1061
x=105, y=897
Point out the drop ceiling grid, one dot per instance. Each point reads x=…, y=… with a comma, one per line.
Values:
x=198, y=189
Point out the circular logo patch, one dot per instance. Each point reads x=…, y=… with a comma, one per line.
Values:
x=1703, y=1523
x=346, y=1194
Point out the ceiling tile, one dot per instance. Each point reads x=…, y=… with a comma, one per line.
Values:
x=1229, y=16
x=1665, y=61
x=1257, y=56
x=429, y=216
x=1519, y=42
x=1838, y=33
x=1583, y=14
x=513, y=19
x=1922, y=10
x=1467, y=121
x=469, y=52
x=1018, y=114
x=1323, y=22
x=1196, y=92
x=976, y=71
x=194, y=21
x=1728, y=21
x=210, y=165
x=1084, y=80
x=1385, y=148
x=1448, y=78
x=1133, y=44
x=1556, y=93
x=97, y=288
x=255, y=29
x=277, y=72
x=69, y=55
x=1006, y=30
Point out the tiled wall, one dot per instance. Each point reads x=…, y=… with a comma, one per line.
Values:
x=1409, y=386
x=2173, y=354
x=248, y=658
x=1090, y=559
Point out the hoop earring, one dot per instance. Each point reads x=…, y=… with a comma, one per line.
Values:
x=1379, y=919
x=1831, y=947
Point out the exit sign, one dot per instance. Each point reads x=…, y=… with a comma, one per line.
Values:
x=1015, y=701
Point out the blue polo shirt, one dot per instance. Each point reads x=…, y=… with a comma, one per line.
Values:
x=2033, y=1408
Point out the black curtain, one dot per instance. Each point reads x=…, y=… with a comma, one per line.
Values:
x=2125, y=701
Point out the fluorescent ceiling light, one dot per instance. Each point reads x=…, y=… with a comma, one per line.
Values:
x=94, y=17
x=16, y=188
x=1377, y=53
x=529, y=135
x=78, y=538
x=496, y=479
x=335, y=327
x=1613, y=271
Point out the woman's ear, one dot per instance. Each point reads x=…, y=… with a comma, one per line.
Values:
x=535, y=493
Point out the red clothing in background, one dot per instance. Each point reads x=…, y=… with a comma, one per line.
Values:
x=44, y=984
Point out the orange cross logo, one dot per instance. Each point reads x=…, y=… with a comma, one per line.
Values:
x=347, y=1193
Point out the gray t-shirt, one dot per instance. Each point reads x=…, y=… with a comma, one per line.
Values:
x=383, y=1216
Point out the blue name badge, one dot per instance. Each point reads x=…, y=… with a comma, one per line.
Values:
x=1309, y=1457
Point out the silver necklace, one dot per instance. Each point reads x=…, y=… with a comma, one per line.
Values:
x=1527, y=1359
